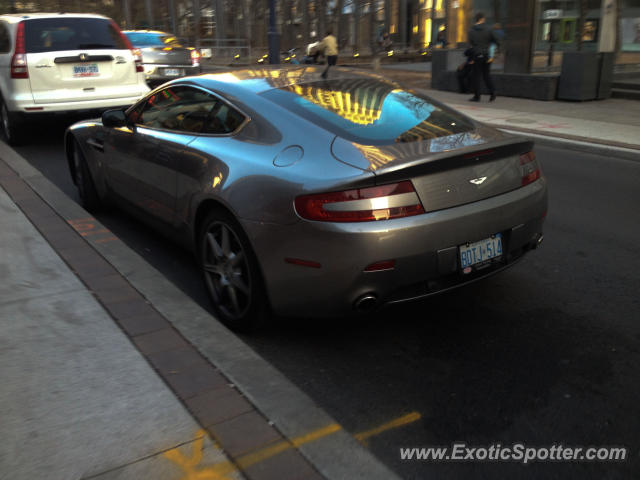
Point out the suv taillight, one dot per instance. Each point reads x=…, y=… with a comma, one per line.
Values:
x=530, y=168
x=19, y=67
x=137, y=58
x=195, y=58
x=384, y=202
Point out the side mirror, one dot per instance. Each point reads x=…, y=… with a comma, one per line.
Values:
x=114, y=119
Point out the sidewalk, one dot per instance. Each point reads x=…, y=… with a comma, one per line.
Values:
x=72, y=382
x=606, y=123
x=110, y=372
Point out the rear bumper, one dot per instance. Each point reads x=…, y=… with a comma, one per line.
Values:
x=157, y=73
x=424, y=247
x=29, y=107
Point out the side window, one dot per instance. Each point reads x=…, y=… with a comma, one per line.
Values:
x=179, y=108
x=223, y=119
x=5, y=40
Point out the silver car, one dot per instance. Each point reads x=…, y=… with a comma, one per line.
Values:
x=312, y=197
x=163, y=57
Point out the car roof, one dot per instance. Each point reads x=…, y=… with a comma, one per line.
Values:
x=260, y=79
x=19, y=17
x=155, y=32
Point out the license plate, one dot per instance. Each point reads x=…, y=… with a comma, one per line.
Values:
x=86, y=70
x=477, y=253
x=173, y=72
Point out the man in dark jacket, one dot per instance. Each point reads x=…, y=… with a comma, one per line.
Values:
x=480, y=38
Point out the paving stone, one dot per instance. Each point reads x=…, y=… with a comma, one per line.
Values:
x=167, y=339
x=17, y=189
x=87, y=263
x=36, y=208
x=218, y=405
x=119, y=294
x=173, y=361
x=6, y=171
x=130, y=308
x=245, y=433
x=195, y=380
x=143, y=323
x=288, y=465
x=99, y=283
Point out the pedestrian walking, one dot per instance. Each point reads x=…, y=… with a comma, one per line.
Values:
x=330, y=46
x=480, y=39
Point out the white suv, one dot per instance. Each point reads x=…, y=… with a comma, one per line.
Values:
x=59, y=62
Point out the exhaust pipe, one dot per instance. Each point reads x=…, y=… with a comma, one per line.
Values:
x=365, y=303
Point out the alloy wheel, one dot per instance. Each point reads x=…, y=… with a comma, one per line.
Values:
x=226, y=270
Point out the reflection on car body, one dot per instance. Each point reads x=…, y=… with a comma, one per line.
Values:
x=315, y=197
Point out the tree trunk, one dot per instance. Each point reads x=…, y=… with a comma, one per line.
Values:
x=305, y=22
x=357, y=5
x=321, y=16
x=387, y=16
x=373, y=37
x=335, y=21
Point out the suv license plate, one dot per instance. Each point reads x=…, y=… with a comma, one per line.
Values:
x=86, y=70
x=480, y=252
x=173, y=72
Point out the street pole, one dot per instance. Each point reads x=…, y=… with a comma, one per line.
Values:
x=273, y=36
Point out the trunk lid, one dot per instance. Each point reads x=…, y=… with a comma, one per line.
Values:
x=446, y=171
x=166, y=56
x=79, y=75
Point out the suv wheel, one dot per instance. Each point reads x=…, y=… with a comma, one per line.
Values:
x=10, y=125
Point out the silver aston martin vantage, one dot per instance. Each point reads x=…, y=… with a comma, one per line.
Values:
x=312, y=197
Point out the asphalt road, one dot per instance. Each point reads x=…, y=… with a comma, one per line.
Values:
x=545, y=353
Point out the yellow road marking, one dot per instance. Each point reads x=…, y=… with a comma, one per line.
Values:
x=252, y=458
x=362, y=437
x=222, y=470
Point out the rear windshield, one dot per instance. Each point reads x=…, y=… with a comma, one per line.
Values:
x=369, y=111
x=146, y=39
x=68, y=33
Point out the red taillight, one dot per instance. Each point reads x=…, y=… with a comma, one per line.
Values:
x=361, y=205
x=195, y=57
x=19, y=67
x=530, y=168
x=137, y=58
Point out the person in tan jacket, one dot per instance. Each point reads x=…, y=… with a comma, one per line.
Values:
x=330, y=46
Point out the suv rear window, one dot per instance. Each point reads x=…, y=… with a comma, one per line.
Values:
x=69, y=33
x=369, y=111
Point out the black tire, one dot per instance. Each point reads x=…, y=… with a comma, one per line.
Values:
x=89, y=198
x=231, y=273
x=11, y=125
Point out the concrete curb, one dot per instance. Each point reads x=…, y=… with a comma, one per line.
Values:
x=330, y=449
